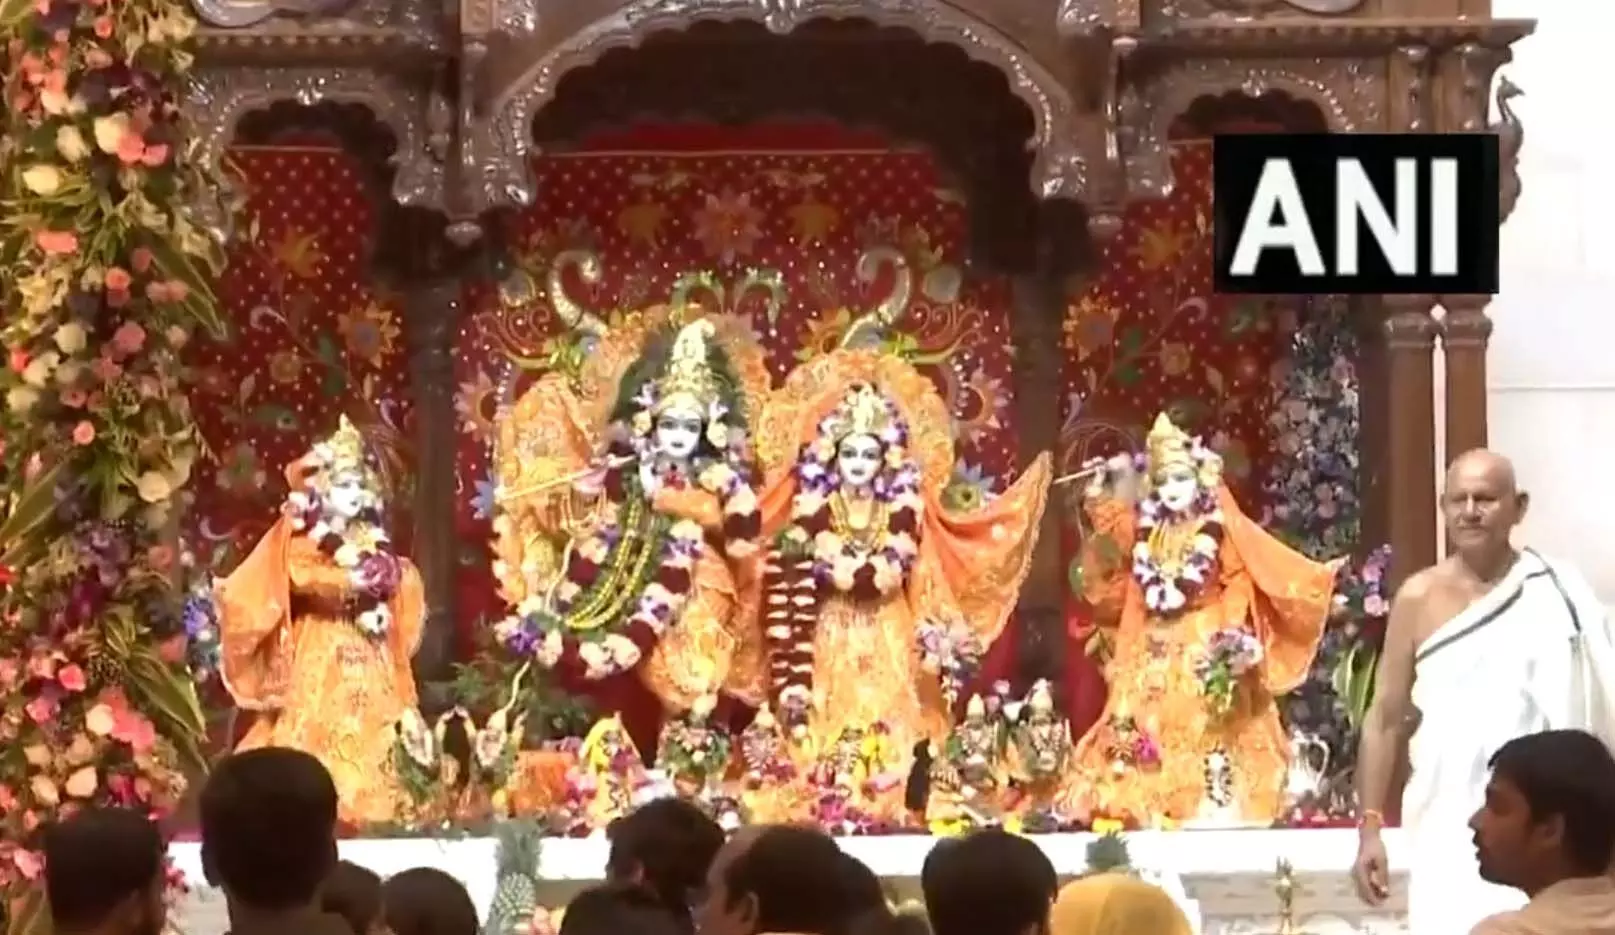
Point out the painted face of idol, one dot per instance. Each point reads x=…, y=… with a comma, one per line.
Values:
x=858, y=460
x=678, y=433
x=1177, y=487
x=349, y=495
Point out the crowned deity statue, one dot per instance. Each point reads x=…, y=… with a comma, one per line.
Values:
x=609, y=772
x=865, y=553
x=1210, y=618
x=628, y=534
x=317, y=627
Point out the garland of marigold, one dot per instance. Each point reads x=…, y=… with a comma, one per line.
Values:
x=105, y=277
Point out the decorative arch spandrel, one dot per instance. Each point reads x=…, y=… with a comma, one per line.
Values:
x=578, y=34
x=1350, y=93
x=218, y=98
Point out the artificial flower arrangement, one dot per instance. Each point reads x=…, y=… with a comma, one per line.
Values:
x=1230, y=655
x=1170, y=586
x=695, y=749
x=106, y=278
x=951, y=651
x=1130, y=746
x=635, y=551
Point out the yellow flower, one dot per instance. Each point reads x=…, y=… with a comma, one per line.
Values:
x=1159, y=247
x=153, y=487
x=1107, y=826
x=70, y=144
x=285, y=367
x=42, y=179
x=1175, y=358
x=369, y=332
x=110, y=131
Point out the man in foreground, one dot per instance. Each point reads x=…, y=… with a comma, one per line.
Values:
x=1489, y=644
x=989, y=882
x=269, y=841
x=1548, y=830
x=104, y=874
x=666, y=846
x=777, y=879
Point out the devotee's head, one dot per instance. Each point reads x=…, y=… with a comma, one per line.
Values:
x=269, y=830
x=666, y=846
x=1481, y=502
x=1116, y=904
x=427, y=901
x=354, y=894
x=618, y=909
x=1549, y=812
x=104, y=874
x=989, y=882
x=776, y=878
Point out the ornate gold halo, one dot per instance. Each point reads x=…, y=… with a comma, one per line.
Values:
x=814, y=389
x=603, y=370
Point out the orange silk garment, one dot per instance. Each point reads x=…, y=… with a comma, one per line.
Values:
x=315, y=681
x=1281, y=596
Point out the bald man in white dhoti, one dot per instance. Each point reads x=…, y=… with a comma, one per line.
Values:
x=1490, y=644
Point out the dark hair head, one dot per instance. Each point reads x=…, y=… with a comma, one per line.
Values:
x=1568, y=774
x=799, y=878
x=883, y=921
x=667, y=846
x=269, y=827
x=989, y=882
x=862, y=890
x=353, y=893
x=618, y=909
x=96, y=860
x=427, y=901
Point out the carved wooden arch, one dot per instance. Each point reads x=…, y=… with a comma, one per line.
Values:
x=1350, y=94
x=219, y=98
x=1060, y=166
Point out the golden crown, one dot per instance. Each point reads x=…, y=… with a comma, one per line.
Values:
x=688, y=380
x=864, y=412
x=1168, y=445
x=345, y=448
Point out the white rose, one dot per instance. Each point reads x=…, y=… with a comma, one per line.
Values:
x=552, y=647
x=42, y=179
x=70, y=144
x=38, y=371
x=71, y=338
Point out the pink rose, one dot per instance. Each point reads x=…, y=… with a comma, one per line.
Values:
x=130, y=337
x=71, y=677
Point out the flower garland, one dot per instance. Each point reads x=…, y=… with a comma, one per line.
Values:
x=817, y=553
x=106, y=276
x=952, y=652
x=1314, y=505
x=1169, y=588
x=358, y=545
x=631, y=575
x=1230, y=655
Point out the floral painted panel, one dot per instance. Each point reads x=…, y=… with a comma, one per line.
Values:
x=310, y=340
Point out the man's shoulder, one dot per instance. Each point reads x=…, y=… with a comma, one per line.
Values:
x=1425, y=582
x=1503, y=923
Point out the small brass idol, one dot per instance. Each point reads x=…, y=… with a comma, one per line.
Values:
x=1284, y=890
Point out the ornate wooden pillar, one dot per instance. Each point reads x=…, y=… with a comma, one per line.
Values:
x=1409, y=331
x=1466, y=331
x=1035, y=325
x=432, y=311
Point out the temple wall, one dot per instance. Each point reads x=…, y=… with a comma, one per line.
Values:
x=1552, y=362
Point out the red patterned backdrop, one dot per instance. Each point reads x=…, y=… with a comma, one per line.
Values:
x=310, y=340
x=665, y=205
x=1151, y=334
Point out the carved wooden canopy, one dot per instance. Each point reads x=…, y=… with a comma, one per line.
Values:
x=1086, y=90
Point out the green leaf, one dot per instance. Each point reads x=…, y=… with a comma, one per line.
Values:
x=1127, y=375
x=1242, y=317
x=201, y=303
x=1074, y=576
x=326, y=350
x=170, y=701
x=32, y=507
x=1130, y=341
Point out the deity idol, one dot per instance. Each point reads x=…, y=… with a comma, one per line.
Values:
x=1212, y=617
x=658, y=522
x=866, y=555
x=318, y=625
